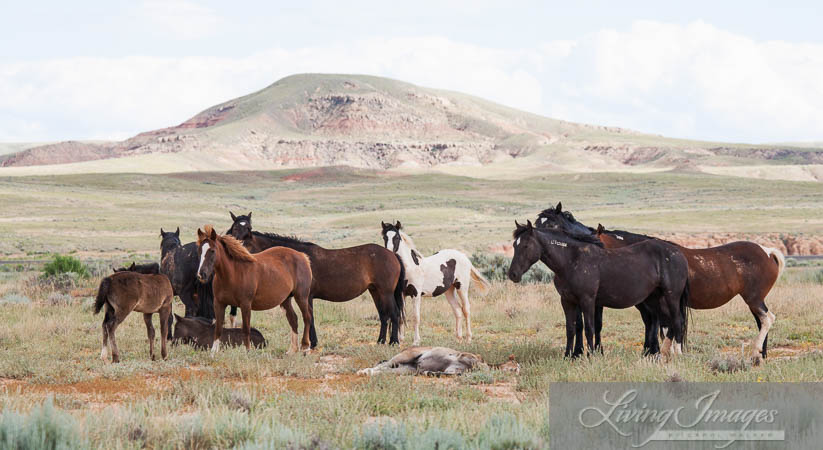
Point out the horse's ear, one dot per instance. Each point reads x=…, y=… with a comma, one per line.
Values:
x=233, y=217
x=517, y=224
x=249, y=214
x=177, y=318
x=161, y=232
x=600, y=228
x=132, y=266
x=200, y=235
x=383, y=224
x=398, y=225
x=213, y=235
x=177, y=233
x=529, y=224
x=559, y=207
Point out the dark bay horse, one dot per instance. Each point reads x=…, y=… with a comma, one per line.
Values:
x=340, y=275
x=716, y=274
x=256, y=282
x=588, y=276
x=179, y=263
x=148, y=269
x=129, y=291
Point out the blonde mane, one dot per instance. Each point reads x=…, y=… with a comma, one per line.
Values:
x=408, y=240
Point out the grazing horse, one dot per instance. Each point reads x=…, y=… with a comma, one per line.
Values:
x=588, y=276
x=125, y=292
x=179, y=263
x=716, y=274
x=340, y=275
x=257, y=282
x=446, y=272
x=436, y=361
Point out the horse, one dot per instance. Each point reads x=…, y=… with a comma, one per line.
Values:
x=340, y=275
x=446, y=272
x=588, y=276
x=179, y=263
x=257, y=282
x=199, y=332
x=146, y=269
x=436, y=361
x=128, y=291
x=716, y=274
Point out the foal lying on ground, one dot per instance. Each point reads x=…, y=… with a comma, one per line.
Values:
x=125, y=292
x=436, y=361
x=199, y=332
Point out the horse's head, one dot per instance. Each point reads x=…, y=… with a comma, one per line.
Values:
x=391, y=235
x=240, y=227
x=557, y=219
x=131, y=268
x=526, y=251
x=169, y=239
x=206, y=245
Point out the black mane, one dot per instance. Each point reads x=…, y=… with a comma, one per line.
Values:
x=581, y=238
x=280, y=238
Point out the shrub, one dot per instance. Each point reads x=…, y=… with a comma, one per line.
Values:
x=65, y=265
x=58, y=299
x=382, y=435
x=504, y=432
x=43, y=428
x=15, y=299
x=496, y=267
x=438, y=438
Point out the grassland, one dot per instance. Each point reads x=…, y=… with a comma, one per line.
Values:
x=52, y=377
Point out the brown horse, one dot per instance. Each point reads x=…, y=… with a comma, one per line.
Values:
x=125, y=292
x=254, y=282
x=342, y=274
x=718, y=274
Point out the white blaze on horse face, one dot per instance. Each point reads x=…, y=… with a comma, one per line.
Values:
x=242, y=224
x=389, y=238
x=203, y=252
x=517, y=242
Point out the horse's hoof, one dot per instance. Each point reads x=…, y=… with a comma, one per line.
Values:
x=757, y=358
x=367, y=371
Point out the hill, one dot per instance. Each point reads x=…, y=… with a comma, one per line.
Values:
x=372, y=122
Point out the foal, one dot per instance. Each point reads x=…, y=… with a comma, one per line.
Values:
x=254, y=282
x=125, y=292
x=446, y=272
x=588, y=276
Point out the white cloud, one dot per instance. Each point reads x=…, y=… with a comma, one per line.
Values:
x=180, y=18
x=691, y=81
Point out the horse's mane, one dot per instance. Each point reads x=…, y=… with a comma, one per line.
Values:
x=568, y=215
x=281, y=238
x=584, y=239
x=235, y=249
x=407, y=239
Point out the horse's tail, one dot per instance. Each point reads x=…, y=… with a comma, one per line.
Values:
x=102, y=294
x=399, y=289
x=685, y=310
x=205, y=299
x=778, y=258
x=482, y=282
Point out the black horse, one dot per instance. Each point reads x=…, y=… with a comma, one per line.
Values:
x=179, y=263
x=146, y=269
x=340, y=275
x=557, y=219
x=588, y=276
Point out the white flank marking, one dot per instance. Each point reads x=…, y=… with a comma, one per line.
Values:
x=618, y=237
x=203, y=255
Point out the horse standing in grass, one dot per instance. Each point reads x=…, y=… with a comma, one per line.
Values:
x=179, y=262
x=446, y=272
x=257, y=282
x=340, y=275
x=588, y=276
x=716, y=274
x=128, y=291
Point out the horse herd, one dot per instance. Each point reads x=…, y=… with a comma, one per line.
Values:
x=593, y=268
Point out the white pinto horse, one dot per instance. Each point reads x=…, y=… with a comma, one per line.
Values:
x=446, y=272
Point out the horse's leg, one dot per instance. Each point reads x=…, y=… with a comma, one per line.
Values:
x=463, y=293
x=305, y=309
x=571, y=311
x=598, y=325
x=312, y=331
x=765, y=320
x=291, y=316
x=578, y=332
x=381, y=312
x=417, y=300
x=458, y=313
x=115, y=352
x=150, y=333
x=107, y=318
x=588, y=307
x=165, y=315
x=245, y=310
x=219, y=317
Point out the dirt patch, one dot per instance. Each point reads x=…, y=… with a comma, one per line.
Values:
x=502, y=392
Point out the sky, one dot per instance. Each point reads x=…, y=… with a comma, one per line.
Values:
x=720, y=71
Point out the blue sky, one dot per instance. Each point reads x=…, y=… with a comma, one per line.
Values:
x=730, y=71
